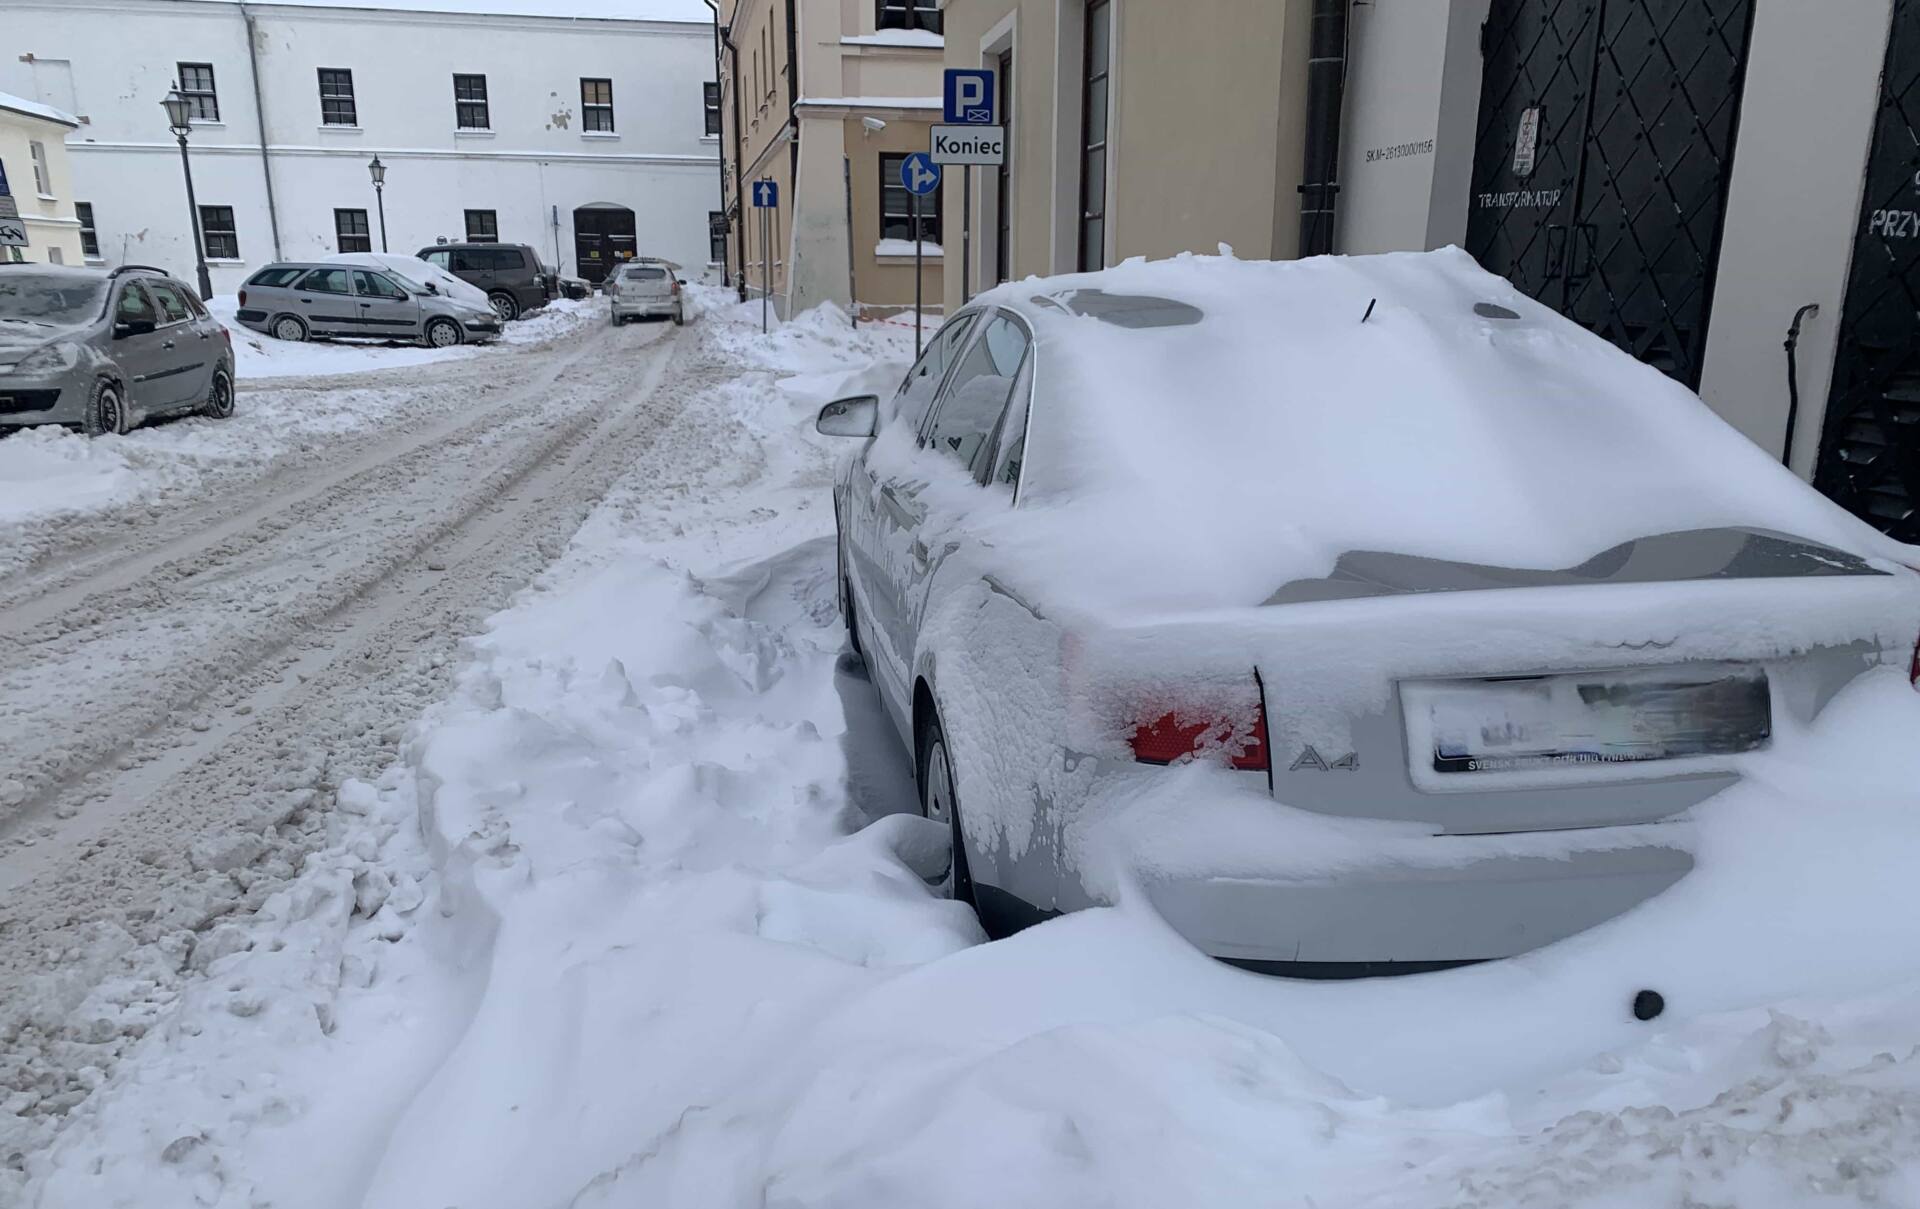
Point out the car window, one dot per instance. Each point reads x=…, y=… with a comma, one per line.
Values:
x=978, y=391
x=639, y=273
x=375, y=286
x=325, y=281
x=923, y=380
x=509, y=259
x=440, y=258
x=465, y=260
x=1011, y=448
x=273, y=277
x=133, y=305
x=173, y=308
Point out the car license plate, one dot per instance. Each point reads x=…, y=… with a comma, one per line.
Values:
x=1584, y=720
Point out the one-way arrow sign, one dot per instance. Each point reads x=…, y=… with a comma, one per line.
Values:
x=766, y=194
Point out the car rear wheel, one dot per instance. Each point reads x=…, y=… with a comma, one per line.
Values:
x=941, y=803
x=219, y=404
x=289, y=327
x=106, y=410
x=443, y=333
x=505, y=305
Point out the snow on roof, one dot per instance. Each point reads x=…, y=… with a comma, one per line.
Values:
x=692, y=11
x=898, y=37
x=875, y=102
x=1283, y=425
x=35, y=109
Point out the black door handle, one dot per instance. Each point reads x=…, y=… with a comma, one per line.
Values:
x=306, y=302
x=366, y=304
x=168, y=344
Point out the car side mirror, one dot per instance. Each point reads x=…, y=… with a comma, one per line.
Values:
x=850, y=417
x=132, y=327
x=432, y=288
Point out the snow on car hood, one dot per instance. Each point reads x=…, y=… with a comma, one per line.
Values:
x=1243, y=424
x=415, y=271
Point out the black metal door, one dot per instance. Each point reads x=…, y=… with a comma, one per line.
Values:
x=1601, y=162
x=1870, y=446
x=603, y=236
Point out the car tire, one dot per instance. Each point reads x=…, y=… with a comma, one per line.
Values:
x=850, y=615
x=940, y=801
x=106, y=410
x=505, y=305
x=442, y=333
x=219, y=402
x=679, y=317
x=289, y=327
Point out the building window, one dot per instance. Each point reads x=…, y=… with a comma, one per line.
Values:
x=1093, y=137
x=896, y=205
x=351, y=232
x=196, y=84
x=909, y=14
x=89, y=237
x=483, y=226
x=216, y=227
x=1003, y=184
x=336, y=98
x=712, y=98
x=470, y=103
x=717, y=237
x=596, y=103
x=42, y=176
x=55, y=255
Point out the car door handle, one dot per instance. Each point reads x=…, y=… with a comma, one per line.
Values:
x=365, y=305
x=306, y=302
x=168, y=344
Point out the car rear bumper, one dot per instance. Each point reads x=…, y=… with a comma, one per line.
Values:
x=641, y=310
x=1497, y=906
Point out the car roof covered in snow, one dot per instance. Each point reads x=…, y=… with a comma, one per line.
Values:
x=1241, y=424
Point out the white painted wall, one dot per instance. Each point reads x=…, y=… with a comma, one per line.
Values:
x=116, y=58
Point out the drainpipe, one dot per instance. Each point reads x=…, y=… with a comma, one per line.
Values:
x=718, y=76
x=738, y=220
x=260, y=117
x=1326, y=86
x=793, y=148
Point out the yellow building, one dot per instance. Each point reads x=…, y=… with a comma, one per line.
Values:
x=825, y=98
x=33, y=157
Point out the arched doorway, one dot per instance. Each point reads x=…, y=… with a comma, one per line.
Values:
x=603, y=236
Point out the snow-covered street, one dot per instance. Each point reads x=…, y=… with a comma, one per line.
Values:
x=468, y=800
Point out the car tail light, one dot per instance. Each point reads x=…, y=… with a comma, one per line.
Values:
x=243, y=298
x=1177, y=734
x=676, y=285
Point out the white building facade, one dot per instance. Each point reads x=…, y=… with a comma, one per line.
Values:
x=588, y=138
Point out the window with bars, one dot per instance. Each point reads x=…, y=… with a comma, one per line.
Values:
x=216, y=228
x=896, y=205
x=716, y=237
x=196, y=84
x=42, y=175
x=483, y=226
x=1003, y=183
x=909, y=14
x=336, y=98
x=470, y=103
x=711, y=98
x=89, y=236
x=596, y=105
x=351, y=232
x=1093, y=136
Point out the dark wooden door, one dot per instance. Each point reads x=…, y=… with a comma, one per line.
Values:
x=603, y=236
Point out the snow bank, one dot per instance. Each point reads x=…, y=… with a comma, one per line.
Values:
x=613, y=934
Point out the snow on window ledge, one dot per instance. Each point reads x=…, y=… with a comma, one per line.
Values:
x=904, y=247
x=472, y=132
x=600, y=134
x=329, y=128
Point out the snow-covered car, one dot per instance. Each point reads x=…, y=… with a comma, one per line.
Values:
x=1357, y=613
x=353, y=298
x=105, y=350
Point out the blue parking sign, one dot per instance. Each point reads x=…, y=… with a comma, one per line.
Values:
x=969, y=99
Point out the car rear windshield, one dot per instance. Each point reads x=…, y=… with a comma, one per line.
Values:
x=51, y=299
x=274, y=277
x=637, y=273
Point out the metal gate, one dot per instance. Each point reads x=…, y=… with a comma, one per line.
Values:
x=1870, y=446
x=1601, y=161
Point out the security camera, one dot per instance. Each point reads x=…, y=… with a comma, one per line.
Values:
x=873, y=125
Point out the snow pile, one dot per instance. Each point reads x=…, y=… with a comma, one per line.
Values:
x=613, y=934
x=51, y=468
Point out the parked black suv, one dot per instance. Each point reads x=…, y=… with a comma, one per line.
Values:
x=511, y=273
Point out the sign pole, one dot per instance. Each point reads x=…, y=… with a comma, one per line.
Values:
x=766, y=266
x=853, y=296
x=918, y=322
x=966, y=233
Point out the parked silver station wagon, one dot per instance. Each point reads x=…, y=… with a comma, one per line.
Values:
x=1358, y=614
x=302, y=301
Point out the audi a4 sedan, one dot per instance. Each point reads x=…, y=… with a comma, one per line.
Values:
x=103, y=350
x=1357, y=614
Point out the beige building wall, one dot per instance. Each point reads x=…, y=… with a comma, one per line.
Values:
x=753, y=94
x=1206, y=121
x=53, y=233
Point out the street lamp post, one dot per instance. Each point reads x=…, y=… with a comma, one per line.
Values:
x=180, y=120
x=378, y=171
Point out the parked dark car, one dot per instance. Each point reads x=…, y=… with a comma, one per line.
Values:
x=511, y=274
x=106, y=350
